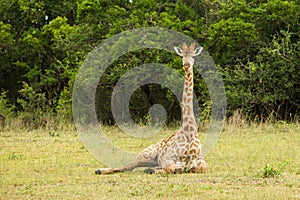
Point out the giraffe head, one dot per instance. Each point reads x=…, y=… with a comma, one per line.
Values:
x=187, y=54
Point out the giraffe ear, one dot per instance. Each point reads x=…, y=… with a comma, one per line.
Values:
x=198, y=51
x=178, y=50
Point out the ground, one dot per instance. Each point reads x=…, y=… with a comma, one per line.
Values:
x=259, y=161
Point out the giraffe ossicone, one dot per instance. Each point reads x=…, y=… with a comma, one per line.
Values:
x=182, y=151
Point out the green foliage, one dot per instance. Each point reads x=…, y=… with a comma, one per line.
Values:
x=281, y=14
x=6, y=108
x=257, y=48
x=6, y=36
x=31, y=100
x=33, y=106
x=271, y=172
x=9, y=73
x=32, y=11
x=254, y=43
x=232, y=39
x=268, y=84
x=64, y=104
x=58, y=31
x=14, y=156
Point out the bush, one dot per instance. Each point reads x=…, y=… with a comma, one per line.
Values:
x=6, y=108
x=271, y=172
x=33, y=107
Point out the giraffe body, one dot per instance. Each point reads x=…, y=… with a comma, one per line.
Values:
x=181, y=152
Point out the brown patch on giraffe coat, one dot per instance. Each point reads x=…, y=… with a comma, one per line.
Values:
x=191, y=121
x=178, y=152
x=192, y=151
x=189, y=100
x=192, y=129
x=192, y=135
x=186, y=111
x=186, y=67
x=186, y=128
x=193, y=145
x=185, y=119
x=182, y=138
x=189, y=95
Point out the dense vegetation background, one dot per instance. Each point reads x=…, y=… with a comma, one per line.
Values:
x=255, y=45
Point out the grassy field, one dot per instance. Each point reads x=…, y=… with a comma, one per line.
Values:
x=252, y=162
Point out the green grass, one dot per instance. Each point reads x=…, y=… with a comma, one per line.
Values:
x=253, y=162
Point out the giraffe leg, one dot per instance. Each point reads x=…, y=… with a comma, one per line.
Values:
x=159, y=170
x=136, y=164
x=117, y=170
x=200, y=167
x=168, y=167
x=108, y=170
x=147, y=158
x=154, y=170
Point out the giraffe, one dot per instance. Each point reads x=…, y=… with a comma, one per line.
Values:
x=181, y=152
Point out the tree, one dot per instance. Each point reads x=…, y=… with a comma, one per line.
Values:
x=254, y=43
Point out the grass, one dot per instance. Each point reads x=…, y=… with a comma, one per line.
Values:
x=260, y=161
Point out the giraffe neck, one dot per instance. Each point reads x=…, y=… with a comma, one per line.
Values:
x=188, y=119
